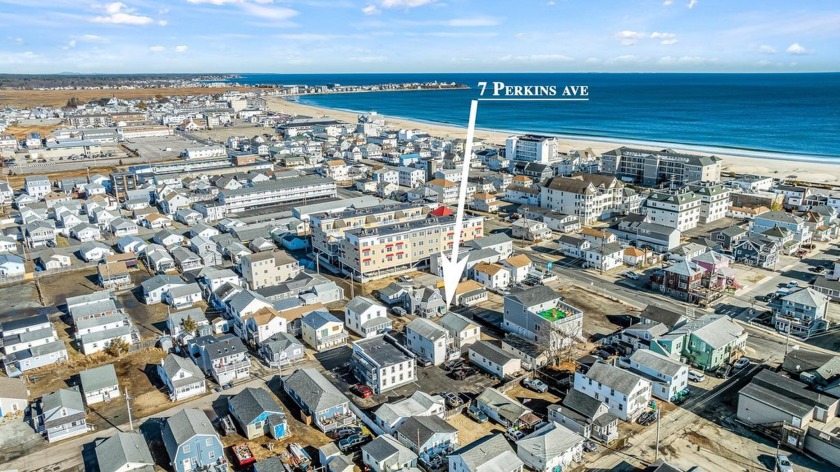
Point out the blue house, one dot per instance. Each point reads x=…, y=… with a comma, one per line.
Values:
x=258, y=414
x=408, y=160
x=192, y=443
x=319, y=399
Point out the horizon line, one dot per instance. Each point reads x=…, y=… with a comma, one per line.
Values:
x=71, y=74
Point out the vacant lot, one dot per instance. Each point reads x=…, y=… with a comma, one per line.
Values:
x=56, y=288
x=58, y=98
x=23, y=131
x=470, y=430
x=601, y=315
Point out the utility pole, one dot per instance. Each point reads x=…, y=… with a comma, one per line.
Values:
x=787, y=337
x=128, y=406
x=656, y=453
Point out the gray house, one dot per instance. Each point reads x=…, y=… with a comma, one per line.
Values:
x=61, y=415
x=258, y=414
x=123, y=452
x=281, y=349
x=586, y=416
x=181, y=377
x=319, y=400
x=539, y=314
x=490, y=453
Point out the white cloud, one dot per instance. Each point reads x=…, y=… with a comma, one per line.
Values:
x=370, y=10
x=70, y=45
x=767, y=49
x=692, y=4
x=181, y=48
x=629, y=38
x=93, y=38
x=666, y=39
x=625, y=59
x=214, y=2
x=536, y=58
x=269, y=13
x=687, y=60
x=367, y=59
x=119, y=13
x=19, y=41
x=797, y=50
x=550, y=4
x=157, y=48
x=592, y=60
x=668, y=3
x=406, y=3
x=163, y=22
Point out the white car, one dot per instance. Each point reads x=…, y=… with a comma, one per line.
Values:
x=514, y=434
x=631, y=275
x=783, y=463
x=742, y=362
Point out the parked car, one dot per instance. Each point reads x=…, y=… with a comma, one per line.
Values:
x=463, y=373
x=475, y=413
x=352, y=442
x=783, y=463
x=514, y=434
x=589, y=446
x=452, y=400
x=454, y=365
x=536, y=385
x=696, y=376
x=724, y=371
x=742, y=362
x=344, y=432
x=362, y=390
x=399, y=311
x=423, y=362
x=818, y=269
x=630, y=275
x=647, y=418
x=792, y=284
x=406, y=279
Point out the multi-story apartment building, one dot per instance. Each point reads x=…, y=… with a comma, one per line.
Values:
x=269, y=268
x=37, y=186
x=411, y=177
x=447, y=191
x=678, y=209
x=802, y=312
x=386, y=175
x=714, y=201
x=328, y=228
x=651, y=168
x=589, y=197
x=625, y=393
x=540, y=315
x=531, y=148
x=381, y=364
x=279, y=191
x=372, y=253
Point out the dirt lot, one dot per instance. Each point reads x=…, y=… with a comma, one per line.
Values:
x=16, y=181
x=22, y=131
x=469, y=430
x=58, y=98
x=600, y=314
x=56, y=288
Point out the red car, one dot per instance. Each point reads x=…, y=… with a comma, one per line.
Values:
x=362, y=390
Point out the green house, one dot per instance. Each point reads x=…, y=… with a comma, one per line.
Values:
x=705, y=343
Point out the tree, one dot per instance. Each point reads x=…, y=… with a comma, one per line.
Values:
x=190, y=325
x=776, y=206
x=562, y=341
x=117, y=347
x=141, y=105
x=73, y=102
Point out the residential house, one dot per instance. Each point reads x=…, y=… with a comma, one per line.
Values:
x=802, y=313
x=95, y=334
x=771, y=398
x=469, y=293
x=99, y=384
x=192, y=443
x=258, y=414
x=14, y=397
x=318, y=399
x=323, y=331
x=427, y=436
x=801, y=232
x=280, y=350
x=225, y=358
x=382, y=364
x=490, y=453
x=60, y=415
x=94, y=251
x=462, y=331
x=492, y=276
x=705, y=343
x=626, y=394
x=550, y=448
x=122, y=452
x=494, y=360
x=518, y=266
x=182, y=296
x=155, y=288
x=427, y=302
x=181, y=377
x=757, y=251
x=530, y=230
x=668, y=377
x=265, y=269
x=385, y=454
x=640, y=231
x=186, y=260
x=428, y=340
x=729, y=237
x=366, y=318
x=389, y=416
x=539, y=315
x=176, y=321
x=586, y=416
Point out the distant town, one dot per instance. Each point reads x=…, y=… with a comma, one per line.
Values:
x=213, y=281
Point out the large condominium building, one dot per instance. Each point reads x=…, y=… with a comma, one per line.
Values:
x=590, y=197
x=269, y=268
x=328, y=227
x=678, y=209
x=652, y=168
x=372, y=253
x=531, y=148
x=714, y=200
x=278, y=191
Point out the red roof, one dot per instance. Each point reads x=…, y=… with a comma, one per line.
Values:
x=441, y=211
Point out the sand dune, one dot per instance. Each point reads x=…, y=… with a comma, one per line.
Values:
x=773, y=167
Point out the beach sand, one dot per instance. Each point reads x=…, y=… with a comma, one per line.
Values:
x=817, y=172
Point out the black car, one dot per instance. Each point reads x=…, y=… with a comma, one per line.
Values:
x=344, y=432
x=647, y=418
x=350, y=443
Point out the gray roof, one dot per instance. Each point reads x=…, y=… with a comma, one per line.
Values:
x=454, y=322
x=614, y=377
x=785, y=394
x=36, y=351
x=105, y=334
x=183, y=426
x=419, y=402
x=381, y=351
x=69, y=398
x=715, y=330
x=13, y=388
x=222, y=346
x=159, y=281
x=184, y=290
x=658, y=362
x=385, y=447
x=505, y=406
x=662, y=315
x=318, y=318
x=100, y=320
x=490, y=453
x=489, y=240
x=251, y=402
x=491, y=352
x=314, y=390
x=424, y=428
x=582, y=404
x=173, y=363
x=534, y=295
x=806, y=296
x=24, y=322
x=121, y=449
x=550, y=441
x=98, y=378
x=360, y=304
x=426, y=329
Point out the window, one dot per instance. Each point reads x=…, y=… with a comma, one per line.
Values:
x=209, y=441
x=186, y=449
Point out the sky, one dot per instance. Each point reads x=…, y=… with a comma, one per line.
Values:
x=322, y=36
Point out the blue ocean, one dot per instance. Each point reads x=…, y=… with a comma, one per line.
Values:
x=796, y=115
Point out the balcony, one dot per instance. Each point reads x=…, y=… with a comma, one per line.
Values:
x=333, y=339
x=336, y=421
x=232, y=366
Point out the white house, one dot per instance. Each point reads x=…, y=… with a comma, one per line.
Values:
x=625, y=393
x=549, y=448
x=427, y=339
x=493, y=359
x=181, y=377
x=99, y=384
x=668, y=377
x=366, y=318
x=391, y=415
x=323, y=331
x=490, y=453
x=462, y=331
x=518, y=266
x=493, y=276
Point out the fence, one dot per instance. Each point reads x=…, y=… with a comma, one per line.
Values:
x=143, y=345
x=367, y=420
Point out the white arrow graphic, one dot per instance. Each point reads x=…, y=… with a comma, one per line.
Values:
x=452, y=267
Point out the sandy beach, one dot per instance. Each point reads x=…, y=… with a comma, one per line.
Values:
x=817, y=172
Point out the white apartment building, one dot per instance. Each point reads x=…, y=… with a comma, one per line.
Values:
x=589, y=197
x=381, y=364
x=373, y=253
x=447, y=191
x=269, y=268
x=678, y=209
x=626, y=394
x=387, y=176
x=427, y=339
x=714, y=201
x=37, y=186
x=337, y=170
x=531, y=148
x=668, y=376
x=277, y=191
x=411, y=177
x=204, y=152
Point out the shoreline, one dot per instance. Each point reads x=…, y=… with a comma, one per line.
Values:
x=741, y=161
